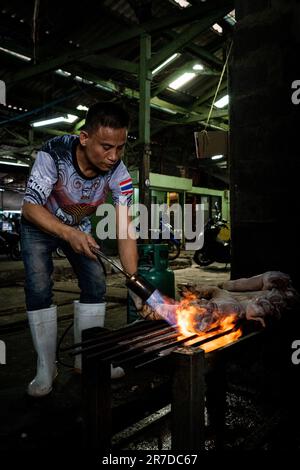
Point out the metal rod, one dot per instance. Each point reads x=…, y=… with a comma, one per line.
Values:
x=151, y=351
x=192, y=342
x=155, y=345
x=124, y=334
x=153, y=341
x=212, y=338
x=148, y=336
x=128, y=344
x=138, y=348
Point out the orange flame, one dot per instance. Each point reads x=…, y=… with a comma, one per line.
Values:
x=189, y=316
x=219, y=342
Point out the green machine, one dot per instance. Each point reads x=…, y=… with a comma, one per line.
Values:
x=154, y=267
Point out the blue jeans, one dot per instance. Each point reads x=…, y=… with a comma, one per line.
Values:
x=37, y=247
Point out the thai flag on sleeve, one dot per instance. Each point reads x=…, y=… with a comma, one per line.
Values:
x=126, y=187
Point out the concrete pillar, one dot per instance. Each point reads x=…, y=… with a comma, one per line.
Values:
x=265, y=137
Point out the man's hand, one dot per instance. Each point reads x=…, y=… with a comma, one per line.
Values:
x=148, y=313
x=82, y=243
x=143, y=309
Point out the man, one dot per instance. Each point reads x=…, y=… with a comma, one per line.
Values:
x=69, y=179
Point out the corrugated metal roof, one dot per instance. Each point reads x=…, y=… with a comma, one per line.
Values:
x=62, y=30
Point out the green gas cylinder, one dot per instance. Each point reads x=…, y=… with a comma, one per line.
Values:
x=154, y=267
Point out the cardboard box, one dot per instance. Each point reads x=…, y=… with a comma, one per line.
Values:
x=210, y=143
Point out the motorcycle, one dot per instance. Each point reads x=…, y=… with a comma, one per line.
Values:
x=10, y=244
x=173, y=243
x=216, y=242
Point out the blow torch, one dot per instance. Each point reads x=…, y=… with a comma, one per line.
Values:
x=162, y=305
x=135, y=282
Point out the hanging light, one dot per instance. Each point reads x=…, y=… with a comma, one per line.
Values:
x=70, y=119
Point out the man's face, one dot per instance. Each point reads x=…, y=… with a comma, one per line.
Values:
x=103, y=147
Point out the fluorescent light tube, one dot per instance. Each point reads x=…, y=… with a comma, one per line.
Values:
x=13, y=163
x=166, y=62
x=83, y=80
x=216, y=27
x=198, y=67
x=82, y=107
x=222, y=102
x=64, y=73
x=182, y=80
x=70, y=118
x=15, y=54
x=183, y=3
x=105, y=87
x=217, y=157
x=9, y=211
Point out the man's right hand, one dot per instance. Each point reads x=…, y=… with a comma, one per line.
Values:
x=81, y=242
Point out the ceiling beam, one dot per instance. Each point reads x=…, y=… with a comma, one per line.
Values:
x=37, y=111
x=152, y=26
x=51, y=131
x=206, y=96
x=200, y=117
x=187, y=36
x=188, y=66
x=190, y=118
x=18, y=137
x=201, y=52
x=116, y=88
x=109, y=62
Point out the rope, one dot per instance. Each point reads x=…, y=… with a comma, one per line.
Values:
x=218, y=87
x=34, y=28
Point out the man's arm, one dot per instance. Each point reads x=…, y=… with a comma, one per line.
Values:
x=127, y=246
x=43, y=219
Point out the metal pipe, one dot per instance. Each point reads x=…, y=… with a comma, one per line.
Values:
x=118, y=335
x=127, y=343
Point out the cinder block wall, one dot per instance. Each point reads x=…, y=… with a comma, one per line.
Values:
x=265, y=139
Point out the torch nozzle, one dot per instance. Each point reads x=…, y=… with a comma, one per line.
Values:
x=140, y=286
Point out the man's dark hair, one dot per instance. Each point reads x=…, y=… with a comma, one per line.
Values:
x=106, y=114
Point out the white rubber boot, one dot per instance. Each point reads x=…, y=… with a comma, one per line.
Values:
x=90, y=316
x=43, y=327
